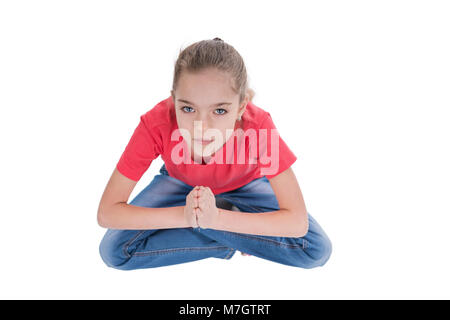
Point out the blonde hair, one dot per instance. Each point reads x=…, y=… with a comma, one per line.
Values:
x=218, y=54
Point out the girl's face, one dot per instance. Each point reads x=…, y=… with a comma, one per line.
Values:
x=207, y=109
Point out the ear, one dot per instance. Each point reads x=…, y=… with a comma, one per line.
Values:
x=243, y=105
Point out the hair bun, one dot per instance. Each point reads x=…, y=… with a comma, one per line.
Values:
x=218, y=39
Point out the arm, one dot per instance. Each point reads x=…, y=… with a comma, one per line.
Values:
x=290, y=221
x=114, y=212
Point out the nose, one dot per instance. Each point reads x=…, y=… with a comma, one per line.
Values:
x=201, y=126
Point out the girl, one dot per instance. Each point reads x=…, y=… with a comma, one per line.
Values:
x=207, y=202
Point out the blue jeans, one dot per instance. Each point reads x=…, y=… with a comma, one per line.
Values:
x=136, y=249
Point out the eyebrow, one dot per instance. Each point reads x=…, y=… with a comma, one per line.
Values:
x=214, y=105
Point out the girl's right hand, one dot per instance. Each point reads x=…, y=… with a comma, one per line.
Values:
x=191, y=208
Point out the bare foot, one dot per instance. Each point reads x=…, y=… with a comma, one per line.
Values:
x=245, y=254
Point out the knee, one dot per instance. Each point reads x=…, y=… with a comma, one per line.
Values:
x=319, y=253
x=323, y=252
x=110, y=253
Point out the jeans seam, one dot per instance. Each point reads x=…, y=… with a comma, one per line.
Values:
x=128, y=244
x=171, y=250
x=278, y=243
x=305, y=243
x=229, y=254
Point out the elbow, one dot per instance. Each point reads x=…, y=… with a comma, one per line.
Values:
x=299, y=233
x=302, y=232
x=106, y=215
x=301, y=223
x=101, y=218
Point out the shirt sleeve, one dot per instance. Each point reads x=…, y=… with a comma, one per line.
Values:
x=144, y=146
x=274, y=154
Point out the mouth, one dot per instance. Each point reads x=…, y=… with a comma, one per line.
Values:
x=203, y=142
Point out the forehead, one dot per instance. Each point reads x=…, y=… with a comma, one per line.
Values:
x=210, y=82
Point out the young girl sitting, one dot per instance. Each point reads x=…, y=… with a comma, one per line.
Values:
x=226, y=183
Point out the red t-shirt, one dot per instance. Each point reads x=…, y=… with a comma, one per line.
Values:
x=245, y=156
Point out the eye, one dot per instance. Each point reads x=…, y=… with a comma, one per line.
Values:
x=225, y=111
x=182, y=108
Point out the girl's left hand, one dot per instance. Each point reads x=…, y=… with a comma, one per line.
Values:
x=208, y=214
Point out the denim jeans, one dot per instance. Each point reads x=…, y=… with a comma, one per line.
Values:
x=137, y=249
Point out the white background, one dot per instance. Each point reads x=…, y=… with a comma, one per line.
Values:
x=360, y=91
